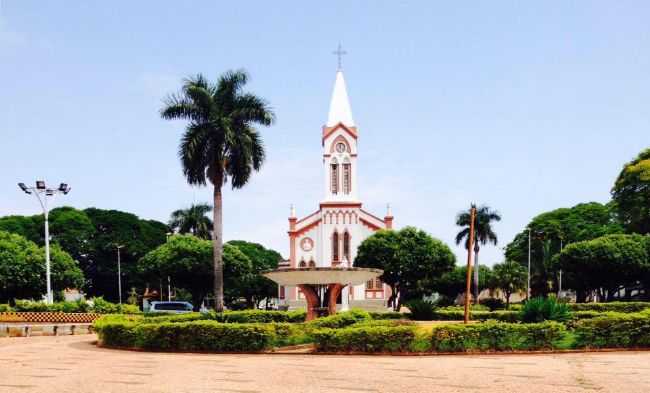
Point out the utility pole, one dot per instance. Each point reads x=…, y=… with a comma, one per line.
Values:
x=470, y=250
x=42, y=189
x=169, y=289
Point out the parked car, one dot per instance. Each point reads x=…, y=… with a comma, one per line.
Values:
x=171, y=307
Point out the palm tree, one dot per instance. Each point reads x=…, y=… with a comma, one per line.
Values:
x=220, y=142
x=483, y=233
x=193, y=220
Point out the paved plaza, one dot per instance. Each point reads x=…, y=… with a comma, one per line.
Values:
x=74, y=364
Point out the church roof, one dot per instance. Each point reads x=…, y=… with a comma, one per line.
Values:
x=340, y=111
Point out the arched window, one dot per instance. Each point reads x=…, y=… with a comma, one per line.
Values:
x=346, y=246
x=334, y=176
x=347, y=177
x=302, y=264
x=335, y=247
x=312, y=263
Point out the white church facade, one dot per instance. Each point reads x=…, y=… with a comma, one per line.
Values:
x=330, y=236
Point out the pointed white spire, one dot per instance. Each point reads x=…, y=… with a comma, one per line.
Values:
x=340, y=111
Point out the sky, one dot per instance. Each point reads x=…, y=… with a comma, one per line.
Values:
x=523, y=107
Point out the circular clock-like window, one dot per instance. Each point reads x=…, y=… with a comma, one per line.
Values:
x=341, y=148
x=307, y=244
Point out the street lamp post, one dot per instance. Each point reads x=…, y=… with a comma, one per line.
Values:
x=42, y=192
x=119, y=273
x=528, y=285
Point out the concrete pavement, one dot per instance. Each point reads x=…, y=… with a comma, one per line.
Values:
x=74, y=364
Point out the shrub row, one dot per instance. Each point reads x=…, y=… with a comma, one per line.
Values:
x=496, y=336
x=244, y=316
x=624, y=307
x=480, y=337
x=186, y=336
x=340, y=320
x=365, y=339
x=615, y=330
x=95, y=305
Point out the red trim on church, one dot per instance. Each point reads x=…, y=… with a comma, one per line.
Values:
x=327, y=131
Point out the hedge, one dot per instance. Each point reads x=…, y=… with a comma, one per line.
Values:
x=340, y=320
x=616, y=330
x=96, y=305
x=624, y=307
x=5, y=308
x=187, y=336
x=388, y=315
x=365, y=339
x=496, y=336
x=458, y=315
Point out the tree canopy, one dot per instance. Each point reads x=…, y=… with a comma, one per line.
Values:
x=22, y=269
x=90, y=236
x=187, y=259
x=606, y=264
x=410, y=258
x=258, y=287
x=453, y=283
x=554, y=229
x=509, y=277
x=631, y=194
x=193, y=220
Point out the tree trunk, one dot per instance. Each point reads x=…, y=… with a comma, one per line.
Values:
x=507, y=300
x=476, y=287
x=217, y=246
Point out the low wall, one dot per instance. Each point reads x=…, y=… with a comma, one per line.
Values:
x=43, y=329
x=48, y=317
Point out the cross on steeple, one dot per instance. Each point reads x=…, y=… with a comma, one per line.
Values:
x=339, y=52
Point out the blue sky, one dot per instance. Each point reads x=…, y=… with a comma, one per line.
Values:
x=525, y=107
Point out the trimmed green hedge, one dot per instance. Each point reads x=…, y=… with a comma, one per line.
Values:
x=244, y=316
x=202, y=335
x=458, y=315
x=616, y=330
x=96, y=305
x=365, y=339
x=496, y=336
x=388, y=315
x=5, y=308
x=340, y=320
x=624, y=307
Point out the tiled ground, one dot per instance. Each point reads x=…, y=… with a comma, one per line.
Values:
x=74, y=364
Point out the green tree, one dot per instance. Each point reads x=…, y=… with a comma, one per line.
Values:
x=113, y=228
x=25, y=226
x=606, y=264
x=453, y=283
x=411, y=261
x=509, y=277
x=631, y=194
x=22, y=268
x=193, y=220
x=262, y=259
x=483, y=234
x=188, y=260
x=220, y=143
x=550, y=231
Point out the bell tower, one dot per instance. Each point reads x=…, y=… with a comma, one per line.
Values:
x=340, y=147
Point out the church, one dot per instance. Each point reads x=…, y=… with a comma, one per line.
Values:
x=330, y=236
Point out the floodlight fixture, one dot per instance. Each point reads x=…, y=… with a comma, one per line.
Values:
x=63, y=187
x=40, y=184
x=24, y=188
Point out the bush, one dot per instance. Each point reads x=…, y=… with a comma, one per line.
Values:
x=540, y=309
x=260, y=316
x=422, y=310
x=202, y=335
x=493, y=303
x=615, y=330
x=5, y=308
x=496, y=336
x=458, y=315
x=624, y=307
x=339, y=320
x=365, y=339
x=388, y=315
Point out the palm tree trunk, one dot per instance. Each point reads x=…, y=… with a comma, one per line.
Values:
x=476, y=288
x=217, y=245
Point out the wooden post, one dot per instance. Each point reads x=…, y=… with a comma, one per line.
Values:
x=470, y=249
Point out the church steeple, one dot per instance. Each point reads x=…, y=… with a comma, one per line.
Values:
x=340, y=111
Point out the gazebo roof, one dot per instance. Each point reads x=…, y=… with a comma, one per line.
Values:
x=323, y=275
